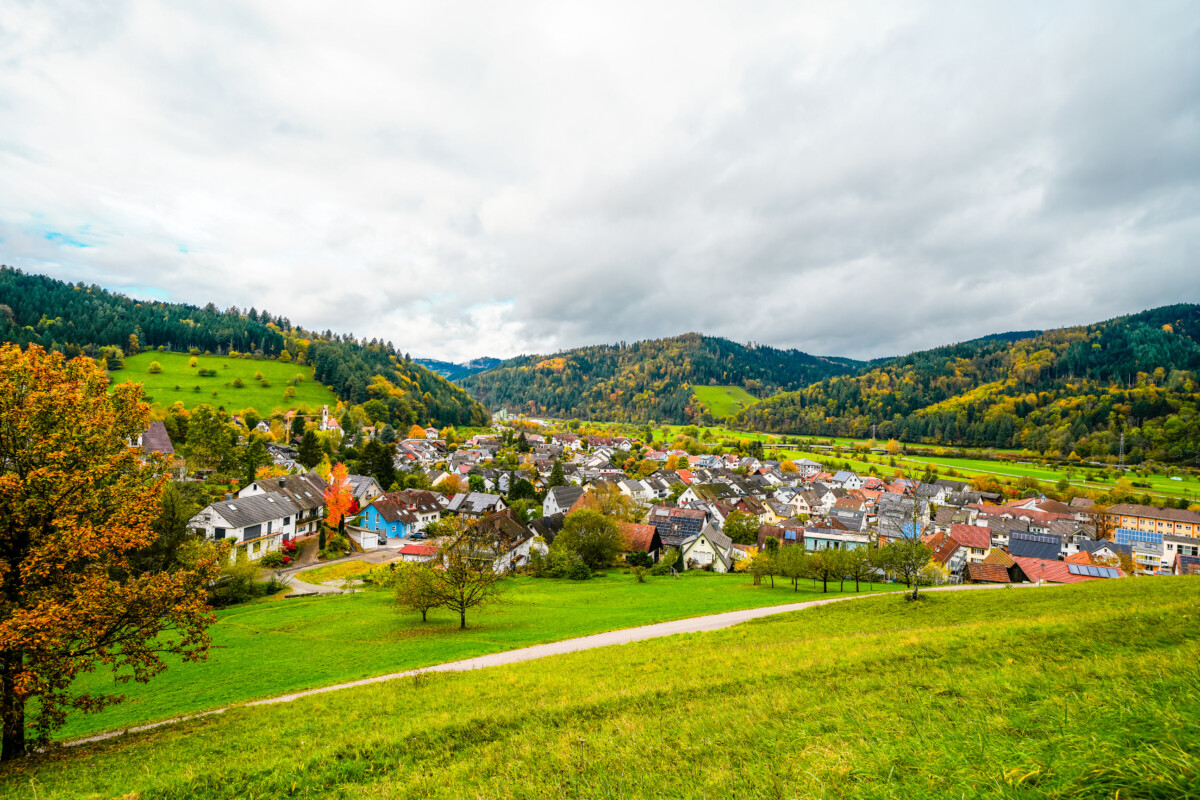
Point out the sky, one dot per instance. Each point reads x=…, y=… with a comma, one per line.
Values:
x=469, y=179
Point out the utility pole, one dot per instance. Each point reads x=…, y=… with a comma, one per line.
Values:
x=1121, y=458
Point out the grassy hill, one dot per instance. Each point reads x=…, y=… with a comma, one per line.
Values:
x=1068, y=692
x=723, y=401
x=219, y=390
x=319, y=641
x=647, y=380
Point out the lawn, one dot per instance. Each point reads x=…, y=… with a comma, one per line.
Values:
x=1072, y=692
x=723, y=401
x=267, y=649
x=338, y=571
x=219, y=390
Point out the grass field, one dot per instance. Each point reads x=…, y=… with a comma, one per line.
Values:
x=1073, y=692
x=176, y=372
x=266, y=649
x=723, y=401
x=338, y=571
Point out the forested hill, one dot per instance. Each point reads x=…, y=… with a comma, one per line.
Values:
x=1060, y=391
x=77, y=319
x=649, y=380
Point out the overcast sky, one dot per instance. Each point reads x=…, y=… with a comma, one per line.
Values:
x=497, y=178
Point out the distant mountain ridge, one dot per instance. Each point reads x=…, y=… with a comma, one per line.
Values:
x=646, y=380
x=1068, y=390
x=452, y=371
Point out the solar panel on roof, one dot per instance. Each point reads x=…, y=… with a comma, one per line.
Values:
x=1129, y=536
x=1092, y=571
x=1034, y=537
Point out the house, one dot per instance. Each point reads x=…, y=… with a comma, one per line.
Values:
x=560, y=499
x=707, y=493
x=807, y=468
x=708, y=549
x=830, y=539
x=307, y=493
x=389, y=518
x=511, y=541
x=258, y=524
x=431, y=434
x=476, y=504
x=676, y=525
x=364, y=488
x=848, y=480
x=156, y=440
x=975, y=540
x=1034, y=545
x=425, y=506
x=638, y=490
x=642, y=539
x=947, y=552
x=1038, y=570
x=988, y=573
x=418, y=552
x=786, y=534
x=548, y=527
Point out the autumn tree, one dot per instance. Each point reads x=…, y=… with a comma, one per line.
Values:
x=77, y=503
x=338, y=497
x=463, y=577
x=613, y=503
x=416, y=588
x=416, y=432
x=596, y=538
x=741, y=527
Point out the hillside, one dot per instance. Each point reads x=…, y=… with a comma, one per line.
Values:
x=87, y=320
x=1070, y=390
x=648, y=380
x=1075, y=691
x=180, y=382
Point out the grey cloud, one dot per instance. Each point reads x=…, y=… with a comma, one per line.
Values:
x=848, y=180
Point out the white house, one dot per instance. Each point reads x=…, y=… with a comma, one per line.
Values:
x=638, y=490
x=848, y=480
x=307, y=493
x=560, y=499
x=258, y=524
x=830, y=539
x=710, y=546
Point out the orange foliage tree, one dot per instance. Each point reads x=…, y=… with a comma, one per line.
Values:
x=76, y=507
x=338, y=497
x=416, y=432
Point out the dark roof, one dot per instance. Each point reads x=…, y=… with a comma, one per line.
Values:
x=307, y=492
x=157, y=440
x=548, y=527
x=565, y=496
x=1153, y=512
x=1033, y=545
x=1094, y=546
x=255, y=509
x=392, y=510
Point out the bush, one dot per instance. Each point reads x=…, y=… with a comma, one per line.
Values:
x=271, y=560
x=289, y=393
x=579, y=572
x=154, y=368
x=238, y=383
x=663, y=567
x=264, y=383
x=639, y=559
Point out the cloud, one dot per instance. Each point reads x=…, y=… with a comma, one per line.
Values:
x=469, y=179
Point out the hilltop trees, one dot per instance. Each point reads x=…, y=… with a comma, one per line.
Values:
x=76, y=506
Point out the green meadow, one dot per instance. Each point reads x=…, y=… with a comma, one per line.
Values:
x=178, y=382
x=270, y=648
x=1079, y=691
x=723, y=401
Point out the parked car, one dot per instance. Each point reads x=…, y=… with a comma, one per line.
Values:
x=420, y=535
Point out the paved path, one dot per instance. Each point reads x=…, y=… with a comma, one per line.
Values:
x=711, y=622
x=306, y=560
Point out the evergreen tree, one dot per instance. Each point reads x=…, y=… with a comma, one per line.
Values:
x=310, y=452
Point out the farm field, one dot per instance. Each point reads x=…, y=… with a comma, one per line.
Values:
x=1069, y=692
x=176, y=372
x=311, y=642
x=722, y=401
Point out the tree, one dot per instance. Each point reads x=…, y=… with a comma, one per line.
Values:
x=76, y=504
x=906, y=558
x=210, y=440
x=475, y=483
x=521, y=489
x=134, y=346
x=338, y=497
x=859, y=566
x=464, y=578
x=310, y=449
x=415, y=588
x=154, y=368
x=741, y=527
x=613, y=503
x=285, y=356
x=764, y=563
x=893, y=447
x=557, y=478
x=595, y=537
x=792, y=563
x=254, y=457
x=416, y=432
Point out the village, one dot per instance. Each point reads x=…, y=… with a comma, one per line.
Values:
x=712, y=512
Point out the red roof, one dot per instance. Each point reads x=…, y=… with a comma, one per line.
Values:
x=639, y=537
x=971, y=536
x=943, y=547
x=988, y=573
x=1052, y=571
x=418, y=550
x=1082, y=557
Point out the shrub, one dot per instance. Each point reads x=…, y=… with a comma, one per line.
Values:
x=271, y=560
x=641, y=573
x=639, y=559
x=154, y=368
x=289, y=393
x=258, y=376
x=238, y=383
x=264, y=383
x=192, y=361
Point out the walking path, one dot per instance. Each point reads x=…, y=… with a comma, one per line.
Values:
x=306, y=559
x=711, y=622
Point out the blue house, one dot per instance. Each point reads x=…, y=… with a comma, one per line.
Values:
x=390, y=518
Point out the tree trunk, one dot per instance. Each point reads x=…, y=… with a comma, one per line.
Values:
x=856, y=584
x=462, y=619
x=914, y=594
x=824, y=584
x=12, y=709
x=424, y=611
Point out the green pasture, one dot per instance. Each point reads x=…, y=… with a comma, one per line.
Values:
x=723, y=401
x=219, y=390
x=267, y=649
x=1072, y=692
